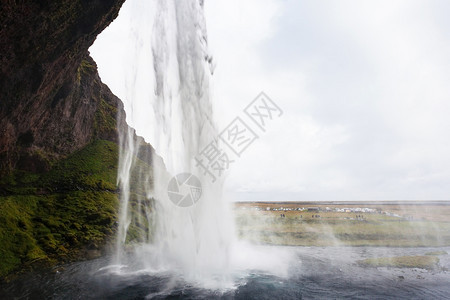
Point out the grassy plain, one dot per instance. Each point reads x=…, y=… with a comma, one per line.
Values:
x=389, y=224
x=418, y=261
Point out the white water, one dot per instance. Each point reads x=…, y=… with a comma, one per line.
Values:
x=163, y=75
x=164, y=85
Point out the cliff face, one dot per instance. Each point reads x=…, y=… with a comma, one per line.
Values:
x=58, y=134
x=51, y=93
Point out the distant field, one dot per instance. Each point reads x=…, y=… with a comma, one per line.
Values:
x=418, y=261
x=344, y=224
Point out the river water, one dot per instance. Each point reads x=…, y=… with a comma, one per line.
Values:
x=312, y=273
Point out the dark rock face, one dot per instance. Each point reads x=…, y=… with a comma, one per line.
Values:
x=52, y=101
x=59, y=128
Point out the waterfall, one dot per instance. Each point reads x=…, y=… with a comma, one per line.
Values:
x=164, y=77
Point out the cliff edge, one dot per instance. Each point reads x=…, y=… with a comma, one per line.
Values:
x=58, y=134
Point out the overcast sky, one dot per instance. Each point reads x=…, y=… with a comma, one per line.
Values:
x=365, y=90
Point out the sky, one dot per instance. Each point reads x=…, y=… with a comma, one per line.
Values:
x=364, y=89
x=364, y=86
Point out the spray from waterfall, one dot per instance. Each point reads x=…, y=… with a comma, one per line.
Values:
x=167, y=99
x=163, y=78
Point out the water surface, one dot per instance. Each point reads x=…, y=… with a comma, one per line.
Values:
x=313, y=273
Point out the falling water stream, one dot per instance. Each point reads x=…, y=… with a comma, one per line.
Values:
x=165, y=90
x=164, y=72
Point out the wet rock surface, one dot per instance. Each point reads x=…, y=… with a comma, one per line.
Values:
x=52, y=99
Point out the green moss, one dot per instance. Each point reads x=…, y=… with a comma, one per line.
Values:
x=16, y=238
x=420, y=261
x=53, y=226
x=92, y=168
x=105, y=121
x=52, y=216
x=84, y=68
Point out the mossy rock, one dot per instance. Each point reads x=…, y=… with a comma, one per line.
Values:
x=53, y=216
x=57, y=215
